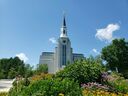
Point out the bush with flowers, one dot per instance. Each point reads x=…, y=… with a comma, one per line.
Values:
x=41, y=76
x=84, y=76
x=117, y=83
x=3, y=94
x=112, y=85
x=50, y=87
x=87, y=92
x=83, y=71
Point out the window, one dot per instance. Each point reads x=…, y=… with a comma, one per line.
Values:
x=64, y=41
x=64, y=55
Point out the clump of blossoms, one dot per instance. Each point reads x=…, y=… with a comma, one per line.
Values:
x=104, y=76
x=94, y=85
x=87, y=92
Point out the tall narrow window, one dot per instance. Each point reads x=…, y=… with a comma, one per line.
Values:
x=64, y=55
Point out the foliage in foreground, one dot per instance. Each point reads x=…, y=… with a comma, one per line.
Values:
x=114, y=87
x=67, y=82
x=49, y=87
x=41, y=76
x=87, y=92
x=117, y=83
x=83, y=71
x=112, y=84
x=3, y=94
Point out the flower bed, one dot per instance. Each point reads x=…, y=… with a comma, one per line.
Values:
x=95, y=89
x=3, y=94
x=87, y=92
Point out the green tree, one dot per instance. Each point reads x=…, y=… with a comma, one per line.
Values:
x=4, y=67
x=116, y=56
x=19, y=66
x=28, y=70
x=41, y=68
x=2, y=73
x=12, y=73
x=10, y=67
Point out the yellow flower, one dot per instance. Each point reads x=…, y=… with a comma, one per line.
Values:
x=125, y=94
x=113, y=94
x=61, y=94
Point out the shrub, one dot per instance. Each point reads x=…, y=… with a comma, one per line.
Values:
x=95, y=86
x=3, y=94
x=116, y=82
x=83, y=71
x=51, y=87
x=18, y=86
x=87, y=92
x=42, y=76
x=119, y=85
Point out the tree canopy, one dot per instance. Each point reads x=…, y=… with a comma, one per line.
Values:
x=12, y=67
x=42, y=68
x=116, y=55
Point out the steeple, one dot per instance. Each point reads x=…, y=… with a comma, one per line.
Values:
x=63, y=28
x=64, y=22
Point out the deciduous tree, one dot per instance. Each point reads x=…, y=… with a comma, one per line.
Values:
x=116, y=55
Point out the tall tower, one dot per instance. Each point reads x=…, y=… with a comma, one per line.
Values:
x=63, y=28
x=63, y=51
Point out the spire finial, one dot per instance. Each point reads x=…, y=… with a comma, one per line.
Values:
x=64, y=21
x=63, y=28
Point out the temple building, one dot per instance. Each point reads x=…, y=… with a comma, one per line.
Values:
x=63, y=53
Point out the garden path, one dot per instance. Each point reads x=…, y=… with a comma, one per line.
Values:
x=5, y=84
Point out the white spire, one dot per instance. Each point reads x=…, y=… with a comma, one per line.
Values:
x=63, y=28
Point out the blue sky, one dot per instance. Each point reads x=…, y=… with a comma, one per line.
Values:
x=27, y=26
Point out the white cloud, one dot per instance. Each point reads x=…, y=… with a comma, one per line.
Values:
x=95, y=51
x=107, y=33
x=22, y=56
x=53, y=40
